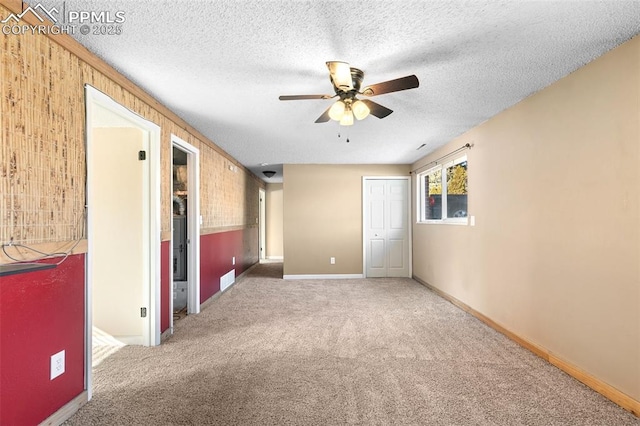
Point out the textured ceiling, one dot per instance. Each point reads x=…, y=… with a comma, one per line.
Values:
x=221, y=66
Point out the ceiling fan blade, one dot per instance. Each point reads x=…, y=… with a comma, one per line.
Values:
x=324, y=117
x=377, y=109
x=403, y=83
x=300, y=97
x=340, y=75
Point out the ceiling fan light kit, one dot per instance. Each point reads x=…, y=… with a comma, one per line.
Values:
x=360, y=110
x=346, y=82
x=337, y=110
x=347, y=118
x=345, y=111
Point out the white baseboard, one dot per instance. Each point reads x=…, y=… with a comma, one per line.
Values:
x=68, y=410
x=323, y=277
x=129, y=340
x=275, y=257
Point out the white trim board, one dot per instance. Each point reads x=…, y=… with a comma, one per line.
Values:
x=93, y=99
x=323, y=277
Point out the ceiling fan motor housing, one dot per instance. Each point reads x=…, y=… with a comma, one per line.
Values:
x=357, y=76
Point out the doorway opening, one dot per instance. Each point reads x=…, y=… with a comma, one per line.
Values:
x=122, y=297
x=185, y=236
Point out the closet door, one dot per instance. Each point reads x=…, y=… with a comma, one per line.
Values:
x=386, y=231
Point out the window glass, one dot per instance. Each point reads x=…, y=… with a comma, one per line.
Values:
x=442, y=193
x=433, y=195
x=457, y=190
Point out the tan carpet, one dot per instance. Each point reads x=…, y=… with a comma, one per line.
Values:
x=371, y=352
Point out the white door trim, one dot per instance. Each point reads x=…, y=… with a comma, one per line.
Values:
x=94, y=97
x=365, y=217
x=193, y=229
x=262, y=246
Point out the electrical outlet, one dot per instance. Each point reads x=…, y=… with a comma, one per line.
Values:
x=57, y=364
x=332, y=260
x=233, y=260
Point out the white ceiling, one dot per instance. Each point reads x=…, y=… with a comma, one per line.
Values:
x=221, y=66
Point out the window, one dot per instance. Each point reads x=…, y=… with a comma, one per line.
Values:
x=442, y=193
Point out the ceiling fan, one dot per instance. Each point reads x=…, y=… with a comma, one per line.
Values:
x=346, y=82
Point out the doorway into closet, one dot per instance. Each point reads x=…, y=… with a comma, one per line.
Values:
x=185, y=236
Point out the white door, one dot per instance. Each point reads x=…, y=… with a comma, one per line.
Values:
x=119, y=207
x=386, y=227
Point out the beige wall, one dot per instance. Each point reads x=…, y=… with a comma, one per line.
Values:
x=554, y=187
x=323, y=216
x=274, y=233
x=116, y=299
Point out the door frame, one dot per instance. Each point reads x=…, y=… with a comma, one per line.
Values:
x=366, y=214
x=193, y=228
x=262, y=245
x=151, y=292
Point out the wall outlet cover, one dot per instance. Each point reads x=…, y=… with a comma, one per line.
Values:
x=57, y=364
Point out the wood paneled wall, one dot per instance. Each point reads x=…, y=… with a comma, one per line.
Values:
x=42, y=146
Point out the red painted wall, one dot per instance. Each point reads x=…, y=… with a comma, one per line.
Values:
x=216, y=253
x=165, y=284
x=41, y=313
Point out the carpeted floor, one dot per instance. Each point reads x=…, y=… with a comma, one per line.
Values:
x=333, y=352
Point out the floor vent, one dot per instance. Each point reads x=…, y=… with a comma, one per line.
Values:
x=227, y=279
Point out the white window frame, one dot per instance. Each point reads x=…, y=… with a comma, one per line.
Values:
x=420, y=198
